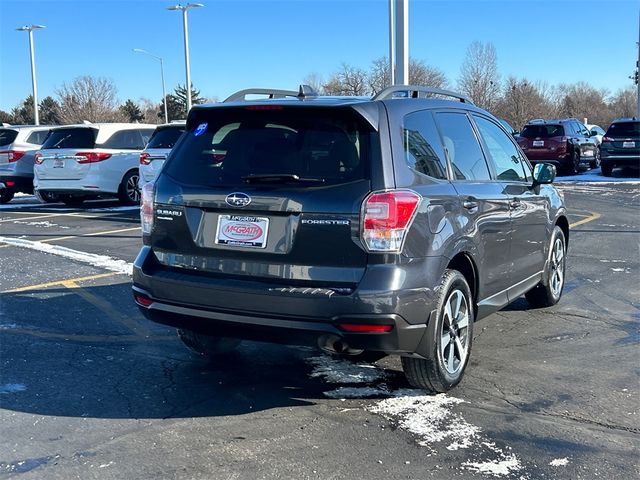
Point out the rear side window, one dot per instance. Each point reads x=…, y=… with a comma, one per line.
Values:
x=37, y=137
x=165, y=137
x=125, y=140
x=71, y=138
x=271, y=145
x=624, y=129
x=422, y=148
x=461, y=145
x=7, y=136
x=542, y=131
x=504, y=155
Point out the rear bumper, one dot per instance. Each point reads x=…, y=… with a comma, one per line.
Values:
x=620, y=160
x=88, y=186
x=16, y=183
x=258, y=311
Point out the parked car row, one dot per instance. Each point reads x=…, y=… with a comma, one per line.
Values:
x=74, y=163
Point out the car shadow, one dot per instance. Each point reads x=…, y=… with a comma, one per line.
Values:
x=90, y=353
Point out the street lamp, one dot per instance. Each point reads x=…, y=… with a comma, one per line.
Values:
x=164, y=95
x=186, y=44
x=33, y=68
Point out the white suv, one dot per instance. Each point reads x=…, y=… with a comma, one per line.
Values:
x=17, y=144
x=79, y=162
x=158, y=148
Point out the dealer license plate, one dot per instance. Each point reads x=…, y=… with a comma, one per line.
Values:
x=538, y=143
x=242, y=231
x=57, y=163
x=628, y=144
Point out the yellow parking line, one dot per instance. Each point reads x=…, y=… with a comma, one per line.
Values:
x=60, y=282
x=590, y=218
x=107, y=309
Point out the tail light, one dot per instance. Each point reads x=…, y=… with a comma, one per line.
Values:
x=607, y=139
x=365, y=328
x=386, y=218
x=146, y=208
x=144, y=158
x=142, y=300
x=92, y=157
x=38, y=158
x=12, y=155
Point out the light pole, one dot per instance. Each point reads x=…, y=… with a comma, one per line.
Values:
x=33, y=68
x=164, y=95
x=186, y=44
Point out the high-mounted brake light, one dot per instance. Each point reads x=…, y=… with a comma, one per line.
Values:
x=386, y=218
x=92, y=157
x=12, y=155
x=146, y=208
x=144, y=158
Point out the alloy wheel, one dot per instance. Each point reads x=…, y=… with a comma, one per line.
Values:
x=556, y=273
x=454, y=338
x=132, y=189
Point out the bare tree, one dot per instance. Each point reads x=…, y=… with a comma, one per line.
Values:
x=581, y=100
x=89, y=98
x=479, y=78
x=153, y=112
x=522, y=101
x=622, y=104
x=348, y=81
x=419, y=74
x=315, y=81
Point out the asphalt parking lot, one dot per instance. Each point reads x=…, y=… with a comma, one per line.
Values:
x=89, y=389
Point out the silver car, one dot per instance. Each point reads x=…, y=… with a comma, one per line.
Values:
x=17, y=144
x=155, y=153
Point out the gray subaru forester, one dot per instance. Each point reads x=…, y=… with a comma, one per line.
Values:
x=365, y=226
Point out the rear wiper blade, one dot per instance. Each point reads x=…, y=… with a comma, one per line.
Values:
x=280, y=177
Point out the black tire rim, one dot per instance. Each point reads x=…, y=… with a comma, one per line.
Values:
x=132, y=190
x=454, y=332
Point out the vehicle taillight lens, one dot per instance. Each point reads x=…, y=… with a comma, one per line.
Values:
x=146, y=208
x=13, y=155
x=386, y=218
x=365, y=328
x=607, y=139
x=92, y=157
x=38, y=158
x=144, y=158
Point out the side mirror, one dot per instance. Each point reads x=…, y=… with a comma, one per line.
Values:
x=543, y=173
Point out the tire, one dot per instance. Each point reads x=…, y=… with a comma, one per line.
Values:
x=129, y=190
x=72, y=201
x=607, y=169
x=448, y=353
x=6, y=196
x=549, y=291
x=207, y=346
x=595, y=163
x=574, y=164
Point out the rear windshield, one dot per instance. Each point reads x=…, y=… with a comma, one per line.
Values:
x=165, y=137
x=542, y=131
x=272, y=145
x=71, y=138
x=624, y=129
x=7, y=136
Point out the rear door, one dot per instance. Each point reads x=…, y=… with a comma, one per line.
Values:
x=267, y=193
x=59, y=159
x=484, y=205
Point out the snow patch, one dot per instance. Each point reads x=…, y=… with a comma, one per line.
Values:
x=594, y=176
x=618, y=269
x=495, y=467
x=343, y=371
x=559, y=462
x=12, y=388
x=100, y=261
x=46, y=224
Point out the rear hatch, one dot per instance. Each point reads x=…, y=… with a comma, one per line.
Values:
x=156, y=152
x=7, y=137
x=267, y=193
x=67, y=154
x=543, y=141
x=622, y=139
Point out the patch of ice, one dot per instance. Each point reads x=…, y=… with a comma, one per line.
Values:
x=618, y=269
x=559, y=462
x=12, y=388
x=100, y=261
x=343, y=371
x=613, y=261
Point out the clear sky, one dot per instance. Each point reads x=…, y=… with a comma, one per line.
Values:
x=237, y=44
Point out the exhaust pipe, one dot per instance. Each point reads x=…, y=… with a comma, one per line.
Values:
x=336, y=345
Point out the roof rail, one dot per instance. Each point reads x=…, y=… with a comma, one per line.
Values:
x=413, y=91
x=303, y=92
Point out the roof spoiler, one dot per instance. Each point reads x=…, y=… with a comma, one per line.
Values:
x=303, y=92
x=413, y=91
